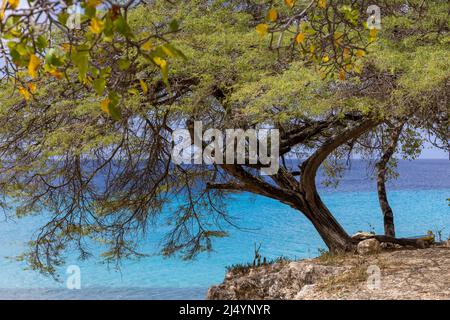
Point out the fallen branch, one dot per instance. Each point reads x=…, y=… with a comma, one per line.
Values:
x=417, y=243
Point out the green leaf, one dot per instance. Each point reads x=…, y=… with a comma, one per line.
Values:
x=122, y=26
x=124, y=64
x=171, y=51
x=90, y=11
x=113, y=108
x=174, y=25
x=52, y=58
x=81, y=60
x=41, y=42
x=63, y=17
x=99, y=85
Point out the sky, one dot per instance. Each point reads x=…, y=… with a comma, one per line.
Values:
x=430, y=152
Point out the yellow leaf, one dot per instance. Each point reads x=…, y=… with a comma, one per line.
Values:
x=289, y=3
x=272, y=15
x=96, y=26
x=33, y=66
x=147, y=46
x=342, y=74
x=105, y=105
x=300, y=38
x=262, y=29
x=160, y=62
x=133, y=91
x=346, y=53
x=322, y=4
x=2, y=11
x=325, y=59
x=338, y=36
x=93, y=3
x=66, y=47
x=57, y=74
x=14, y=3
x=164, y=68
x=360, y=53
x=24, y=92
x=373, y=33
x=32, y=87
x=169, y=51
x=144, y=86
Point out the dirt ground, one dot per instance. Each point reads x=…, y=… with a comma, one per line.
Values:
x=401, y=274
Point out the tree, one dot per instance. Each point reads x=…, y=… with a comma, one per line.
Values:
x=107, y=176
x=69, y=40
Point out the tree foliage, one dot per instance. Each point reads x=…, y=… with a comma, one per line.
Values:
x=88, y=43
x=94, y=148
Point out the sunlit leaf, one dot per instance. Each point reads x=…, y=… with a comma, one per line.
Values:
x=346, y=53
x=147, y=46
x=14, y=4
x=289, y=3
x=171, y=51
x=33, y=66
x=96, y=26
x=2, y=10
x=262, y=29
x=338, y=37
x=32, y=87
x=25, y=93
x=93, y=3
x=360, y=53
x=56, y=73
x=272, y=15
x=300, y=38
x=110, y=106
x=144, y=86
x=104, y=105
x=164, y=67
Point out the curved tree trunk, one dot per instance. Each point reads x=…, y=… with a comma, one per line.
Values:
x=388, y=215
x=332, y=233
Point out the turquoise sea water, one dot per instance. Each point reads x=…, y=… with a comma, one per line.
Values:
x=418, y=198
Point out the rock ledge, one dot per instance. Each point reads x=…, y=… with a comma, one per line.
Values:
x=404, y=274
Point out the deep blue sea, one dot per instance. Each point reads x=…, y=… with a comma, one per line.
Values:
x=418, y=198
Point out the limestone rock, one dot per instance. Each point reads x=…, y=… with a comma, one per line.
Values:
x=362, y=235
x=368, y=246
x=388, y=245
x=288, y=280
x=406, y=274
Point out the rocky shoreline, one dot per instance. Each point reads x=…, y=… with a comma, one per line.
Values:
x=375, y=272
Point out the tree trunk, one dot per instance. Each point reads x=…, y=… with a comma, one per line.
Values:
x=329, y=229
x=331, y=232
x=388, y=215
